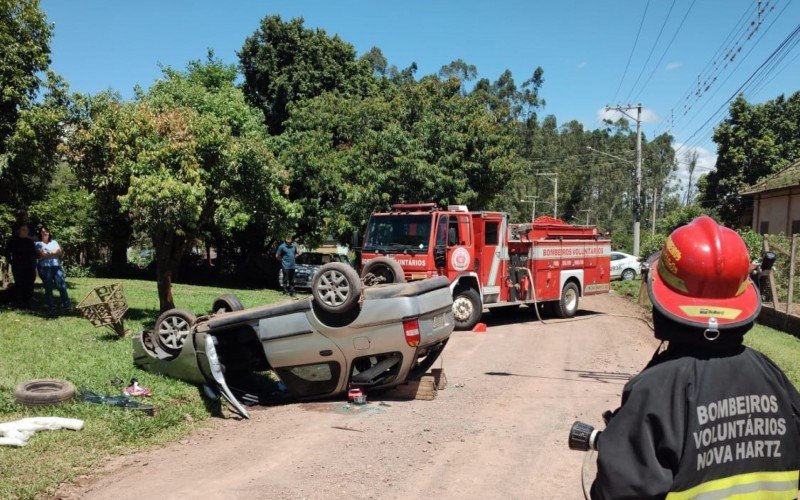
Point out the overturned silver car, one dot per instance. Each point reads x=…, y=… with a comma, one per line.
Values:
x=344, y=336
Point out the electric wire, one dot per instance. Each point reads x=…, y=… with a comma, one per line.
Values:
x=633, y=49
x=666, y=50
x=790, y=40
x=652, y=49
x=729, y=48
x=746, y=89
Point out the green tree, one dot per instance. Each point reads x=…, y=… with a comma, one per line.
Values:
x=191, y=154
x=24, y=54
x=422, y=141
x=100, y=149
x=755, y=140
x=285, y=62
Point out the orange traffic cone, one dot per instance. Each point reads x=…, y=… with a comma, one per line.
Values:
x=480, y=328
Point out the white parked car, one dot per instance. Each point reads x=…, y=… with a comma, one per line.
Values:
x=625, y=266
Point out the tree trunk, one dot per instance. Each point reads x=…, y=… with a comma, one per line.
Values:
x=119, y=255
x=168, y=252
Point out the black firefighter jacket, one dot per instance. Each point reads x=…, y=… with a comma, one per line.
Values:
x=706, y=427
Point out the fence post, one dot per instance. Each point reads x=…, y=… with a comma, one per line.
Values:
x=773, y=289
x=792, y=258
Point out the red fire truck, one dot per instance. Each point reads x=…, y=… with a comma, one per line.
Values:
x=489, y=262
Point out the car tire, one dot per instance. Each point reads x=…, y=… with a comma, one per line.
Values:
x=172, y=329
x=386, y=268
x=467, y=309
x=336, y=288
x=628, y=274
x=226, y=303
x=44, y=392
x=567, y=306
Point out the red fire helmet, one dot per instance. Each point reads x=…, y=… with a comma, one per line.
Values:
x=701, y=278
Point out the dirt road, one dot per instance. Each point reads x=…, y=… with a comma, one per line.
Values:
x=499, y=430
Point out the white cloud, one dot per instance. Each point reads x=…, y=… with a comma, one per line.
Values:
x=674, y=65
x=706, y=162
x=581, y=64
x=648, y=115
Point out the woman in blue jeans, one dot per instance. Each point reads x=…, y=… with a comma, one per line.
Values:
x=50, y=269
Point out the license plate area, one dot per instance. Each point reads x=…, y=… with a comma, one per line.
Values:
x=439, y=321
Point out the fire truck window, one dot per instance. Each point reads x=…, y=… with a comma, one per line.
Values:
x=463, y=229
x=398, y=232
x=441, y=232
x=491, y=232
x=452, y=233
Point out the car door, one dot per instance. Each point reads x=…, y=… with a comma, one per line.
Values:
x=309, y=363
x=616, y=264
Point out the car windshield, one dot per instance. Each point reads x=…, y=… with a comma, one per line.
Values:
x=315, y=259
x=398, y=232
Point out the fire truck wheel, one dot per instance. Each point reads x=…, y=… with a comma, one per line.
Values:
x=568, y=305
x=384, y=270
x=466, y=309
x=336, y=288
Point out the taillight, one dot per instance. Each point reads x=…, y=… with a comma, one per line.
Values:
x=411, y=330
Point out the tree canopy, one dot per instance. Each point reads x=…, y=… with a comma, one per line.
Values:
x=755, y=140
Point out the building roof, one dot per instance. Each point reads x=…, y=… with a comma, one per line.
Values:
x=787, y=177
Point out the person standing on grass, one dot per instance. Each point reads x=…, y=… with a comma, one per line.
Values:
x=21, y=254
x=50, y=269
x=287, y=252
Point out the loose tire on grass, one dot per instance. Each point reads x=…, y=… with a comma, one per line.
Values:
x=467, y=309
x=227, y=303
x=568, y=305
x=44, y=392
x=386, y=268
x=172, y=329
x=336, y=288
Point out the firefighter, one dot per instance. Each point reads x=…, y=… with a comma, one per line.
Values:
x=707, y=417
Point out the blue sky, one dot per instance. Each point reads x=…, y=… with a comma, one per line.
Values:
x=583, y=45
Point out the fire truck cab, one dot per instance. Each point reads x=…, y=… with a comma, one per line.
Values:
x=490, y=263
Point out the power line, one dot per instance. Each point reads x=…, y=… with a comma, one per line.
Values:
x=652, y=49
x=737, y=28
x=633, y=49
x=666, y=50
x=767, y=70
x=741, y=61
x=790, y=40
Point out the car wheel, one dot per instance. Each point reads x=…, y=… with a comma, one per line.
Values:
x=466, y=309
x=628, y=274
x=44, y=392
x=382, y=270
x=336, y=288
x=172, y=329
x=226, y=303
x=568, y=305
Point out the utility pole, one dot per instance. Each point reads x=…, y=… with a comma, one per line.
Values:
x=637, y=198
x=532, y=200
x=588, y=211
x=554, y=175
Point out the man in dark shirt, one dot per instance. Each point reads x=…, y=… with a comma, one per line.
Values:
x=21, y=254
x=287, y=252
x=708, y=417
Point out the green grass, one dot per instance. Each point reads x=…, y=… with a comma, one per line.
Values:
x=780, y=347
x=35, y=346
